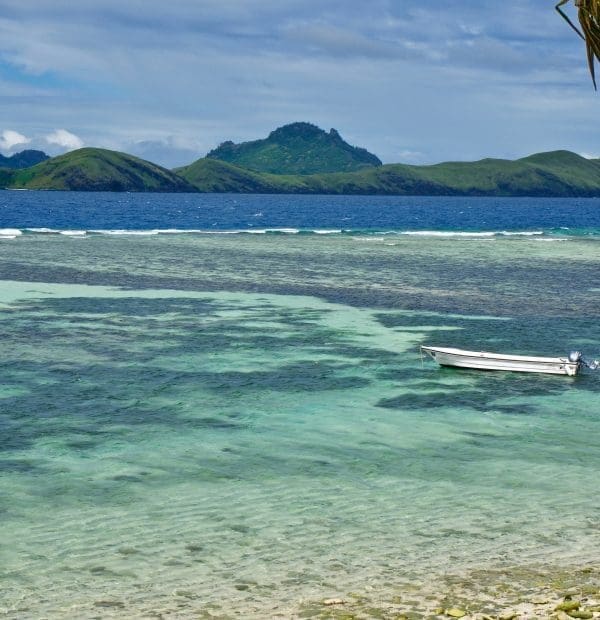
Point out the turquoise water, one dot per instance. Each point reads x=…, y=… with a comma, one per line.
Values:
x=242, y=426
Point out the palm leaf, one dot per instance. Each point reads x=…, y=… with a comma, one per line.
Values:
x=589, y=20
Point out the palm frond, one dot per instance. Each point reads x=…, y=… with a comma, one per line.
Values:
x=589, y=20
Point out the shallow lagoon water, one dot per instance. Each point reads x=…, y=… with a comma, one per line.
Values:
x=242, y=426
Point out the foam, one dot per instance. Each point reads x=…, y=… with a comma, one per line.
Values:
x=265, y=231
x=445, y=233
x=356, y=234
x=124, y=232
x=533, y=233
x=73, y=233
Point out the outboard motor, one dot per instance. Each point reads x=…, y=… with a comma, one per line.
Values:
x=576, y=356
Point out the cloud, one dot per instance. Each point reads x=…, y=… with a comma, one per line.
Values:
x=10, y=139
x=334, y=41
x=589, y=155
x=65, y=139
x=171, y=151
x=411, y=157
x=111, y=38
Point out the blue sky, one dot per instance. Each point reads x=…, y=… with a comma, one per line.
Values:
x=414, y=82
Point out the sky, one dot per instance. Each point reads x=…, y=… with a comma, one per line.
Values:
x=413, y=82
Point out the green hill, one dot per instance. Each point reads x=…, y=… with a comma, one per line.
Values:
x=298, y=148
x=212, y=175
x=91, y=169
x=24, y=159
x=557, y=173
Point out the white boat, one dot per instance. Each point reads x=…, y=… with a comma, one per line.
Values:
x=481, y=360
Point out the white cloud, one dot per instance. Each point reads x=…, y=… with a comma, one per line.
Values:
x=169, y=151
x=65, y=139
x=412, y=157
x=10, y=138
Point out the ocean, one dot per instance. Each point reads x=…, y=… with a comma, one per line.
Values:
x=214, y=406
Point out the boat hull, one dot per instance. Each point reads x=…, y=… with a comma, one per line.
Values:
x=481, y=360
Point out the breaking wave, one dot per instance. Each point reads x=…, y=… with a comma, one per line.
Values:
x=360, y=234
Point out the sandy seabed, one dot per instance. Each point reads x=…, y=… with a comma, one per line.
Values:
x=517, y=593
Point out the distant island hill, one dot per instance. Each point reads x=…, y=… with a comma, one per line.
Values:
x=301, y=158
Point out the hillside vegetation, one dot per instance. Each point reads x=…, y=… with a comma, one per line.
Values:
x=91, y=169
x=212, y=175
x=557, y=173
x=298, y=148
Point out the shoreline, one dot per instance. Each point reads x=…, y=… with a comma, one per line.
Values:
x=516, y=593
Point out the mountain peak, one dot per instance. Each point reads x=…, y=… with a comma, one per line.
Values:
x=24, y=159
x=297, y=148
x=300, y=129
x=554, y=157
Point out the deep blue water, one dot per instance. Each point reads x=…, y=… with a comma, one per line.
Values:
x=109, y=211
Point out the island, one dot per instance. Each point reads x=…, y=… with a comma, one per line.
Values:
x=301, y=158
